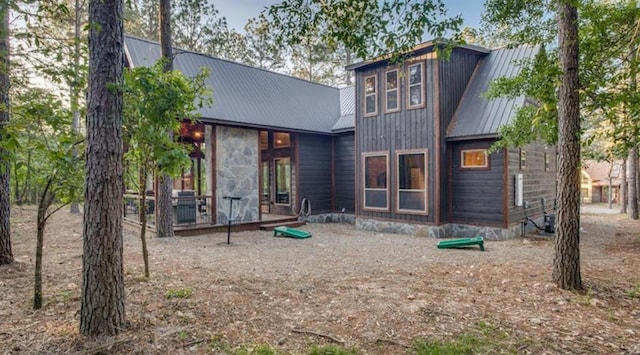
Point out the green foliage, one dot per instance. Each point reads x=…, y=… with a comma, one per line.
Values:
x=262, y=349
x=634, y=292
x=155, y=102
x=331, y=350
x=179, y=293
x=44, y=147
x=483, y=339
x=368, y=28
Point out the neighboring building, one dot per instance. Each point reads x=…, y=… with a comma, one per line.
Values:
x=598, y=177
x=403, y=151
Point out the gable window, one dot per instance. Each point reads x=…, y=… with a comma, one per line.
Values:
x=282, y=140
x=376, y=191
x=412, y=182
x=392, y=91
x=415, y=92
x=474, y=158
x=283, y=181
x=370, y=95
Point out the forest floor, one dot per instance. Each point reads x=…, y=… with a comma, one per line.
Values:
x=366, y=292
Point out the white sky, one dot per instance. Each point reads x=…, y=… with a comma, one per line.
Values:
x=238, y=12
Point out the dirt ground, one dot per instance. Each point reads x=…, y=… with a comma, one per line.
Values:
x=376, y=293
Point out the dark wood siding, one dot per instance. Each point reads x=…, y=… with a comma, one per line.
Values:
x=314, y=171
x=477, y=195
x=390, y=132
x=344, y=163
x=538, y=183
x=454, y=75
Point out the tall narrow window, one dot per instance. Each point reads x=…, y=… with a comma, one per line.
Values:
x=474, y=158
x=283, y=181
x=415, y=92
x=392, y=91
x=376, y=192
x=264, y=140
x=412, y=182
x=370, y=95
x=523, y=159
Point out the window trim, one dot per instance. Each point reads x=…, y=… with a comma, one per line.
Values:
x=375, y=95
x=408, y=86
x=366, y=155
x=425, y=152
x=387, y=90
x=523, y=159
x=486, y=166
x=275, y=182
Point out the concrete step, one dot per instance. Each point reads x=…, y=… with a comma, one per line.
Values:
x=292, y=224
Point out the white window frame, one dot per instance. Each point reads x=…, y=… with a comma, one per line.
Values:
x=462, y=160
x=387, y=90
x=421, y=85
x=425, y=154
x=364, y=181
x=374, y=94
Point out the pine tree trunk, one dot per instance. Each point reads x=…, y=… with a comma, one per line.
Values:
x=566, y=263
x=623, y=188
x=102, y=310
x=6, y=254
x=37, y=287
x=143, y=220
x=633, y=181
x=164, y=224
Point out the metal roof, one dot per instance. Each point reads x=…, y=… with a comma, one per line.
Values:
x=477, y=116
x=247, y=96
x=347, y=119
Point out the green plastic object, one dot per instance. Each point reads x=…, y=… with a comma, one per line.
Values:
x=291, y=232
x=461, y=242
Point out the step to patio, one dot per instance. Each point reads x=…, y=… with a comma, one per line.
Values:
x=293, y=224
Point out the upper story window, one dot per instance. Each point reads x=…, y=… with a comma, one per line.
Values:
x=474, y=158
x=264, y=140
x=415, y=91
x=523, y=159
x=392, y=91
x=370, y=95
x=282, y=140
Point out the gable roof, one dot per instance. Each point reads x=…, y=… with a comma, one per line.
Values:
x=248, y=96
x=477, y=116
x=601, y=171
x=347, y=121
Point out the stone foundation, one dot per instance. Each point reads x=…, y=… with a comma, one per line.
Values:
x=449, y=230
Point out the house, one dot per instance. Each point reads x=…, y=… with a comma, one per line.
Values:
x=268, y=139
x=423, y=130
x=405, y=150
x=598, y=178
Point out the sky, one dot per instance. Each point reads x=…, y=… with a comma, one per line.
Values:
x=238, y=12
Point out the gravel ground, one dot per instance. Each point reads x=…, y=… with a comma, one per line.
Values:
x=375, y=292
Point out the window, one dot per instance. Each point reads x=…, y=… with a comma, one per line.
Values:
x=546, y=161
x=282, y=140
x=523, y=159
x=415, y=93
x=474, y=158
x=283, y=181
x=392, y=91
x=376, y=192
x=264, y=140
x=370, y=96
x=412, y=182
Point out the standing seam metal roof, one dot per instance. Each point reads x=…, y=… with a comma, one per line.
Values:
x=479, y=116
x=249, y=96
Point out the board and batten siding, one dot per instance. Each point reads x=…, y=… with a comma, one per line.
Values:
x=454, y=75
x=344, y=170
x=391, y=132
x=314, y=171
x=477, y=195
x=538, y=183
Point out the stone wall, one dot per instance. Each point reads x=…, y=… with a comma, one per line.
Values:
x=237, y=160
